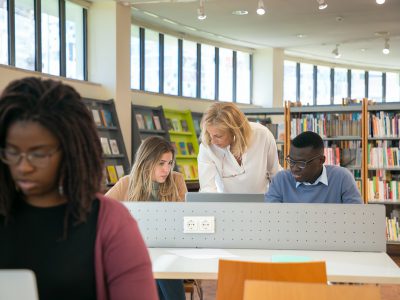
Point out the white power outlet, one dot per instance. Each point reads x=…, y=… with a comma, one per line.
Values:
x=199, y=224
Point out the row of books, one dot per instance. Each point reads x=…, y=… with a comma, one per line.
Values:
x=114, y=173
x=393, y=229
x=327, y=125
x=188, y=171
x=184, y=148
x=383, y=156
x=177, y=125
x=109, y=146
x=383, y=190
x=148, y=121
x=103, y=117
x=384, y=124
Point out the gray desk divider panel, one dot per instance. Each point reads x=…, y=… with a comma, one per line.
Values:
x=336, y=227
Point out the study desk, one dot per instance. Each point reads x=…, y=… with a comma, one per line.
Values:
x=355, y=267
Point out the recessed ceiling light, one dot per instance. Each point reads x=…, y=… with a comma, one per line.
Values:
x=363, y=49
x=300, y=36
x=190, y=28
x=169, y=21
x=150, y=14
x=240, y=12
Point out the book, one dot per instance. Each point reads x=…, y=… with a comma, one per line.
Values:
x=157, y=122
x=112, y=174
x=140, y=121
x=120, y=171
x=190, y=148
x=114, y=146
x=169, y=124
x=173, y=144
x=281, y=132
x=175, y=125
x=96, y=117
x=105, y=145
x=106, y=118
x=194, y=171
x=148, y=122
x=196, y=124
x=184, y=125
x=187, y=172
x=182, y=148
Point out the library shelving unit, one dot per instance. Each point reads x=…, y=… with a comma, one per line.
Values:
x=383, y=164
x=112, y=142
x=184, y=139
x=147, y=121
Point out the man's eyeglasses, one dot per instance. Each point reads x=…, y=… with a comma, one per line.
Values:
x=224, y=175
x=36, y=158
x=301, y=164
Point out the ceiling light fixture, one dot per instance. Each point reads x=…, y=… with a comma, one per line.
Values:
x=386, y=49
x=201, y=15
x=260, y=8
x=322, y=4
x=336, y=52
x=380, y=1
x=240, y=12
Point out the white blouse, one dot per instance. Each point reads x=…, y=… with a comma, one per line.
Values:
x=220, y=172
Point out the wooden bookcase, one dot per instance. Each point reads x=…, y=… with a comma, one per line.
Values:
x=183, y=137
x=112, y=142
x=147, y=121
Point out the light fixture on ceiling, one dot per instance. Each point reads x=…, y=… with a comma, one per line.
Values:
x=260, y=8
x=380, y=1
x=201, y=15
x=322, y=4
x=336, y=52
x=386, y=49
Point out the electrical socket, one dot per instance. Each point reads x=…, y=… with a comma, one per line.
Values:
x=199, y=224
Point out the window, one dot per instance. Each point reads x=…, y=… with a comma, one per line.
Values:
x=323, y=85
x=50, y=37
x=306, y=84
x=357, y=84
x=24, y=34
x=74, y=41
x=135, y=57
x=170, y=65
x=225, y=74
x=340, y=85
x=151, y=57
x=289, y=81
x=375, y=86
x=242, y=77
x=207, y=72
x=189, y=69
x=392, y=87
x=3, y=32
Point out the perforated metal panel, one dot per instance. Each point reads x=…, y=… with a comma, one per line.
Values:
x=338, y=227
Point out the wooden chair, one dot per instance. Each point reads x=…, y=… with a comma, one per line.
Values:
x=232, y=274
x=256, y=290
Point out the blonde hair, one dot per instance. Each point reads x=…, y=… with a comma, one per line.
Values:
x=147, y=157
x=227, y=117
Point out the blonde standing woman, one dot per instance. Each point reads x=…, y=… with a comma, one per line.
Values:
x=235, y=156
x=152, y=179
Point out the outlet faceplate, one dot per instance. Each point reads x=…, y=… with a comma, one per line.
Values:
x=199, y=224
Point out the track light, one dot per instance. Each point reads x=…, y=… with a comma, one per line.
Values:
x=336, y=52
x=200, y=11
x=260, y=8
x=322, y=4
x=380, y=1
x=386, y=49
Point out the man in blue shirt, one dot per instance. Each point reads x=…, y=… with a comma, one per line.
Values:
x=308, y=180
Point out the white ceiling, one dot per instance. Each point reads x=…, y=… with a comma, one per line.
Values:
x=352, y=24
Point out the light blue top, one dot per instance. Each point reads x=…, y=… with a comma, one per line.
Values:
x=339, y=187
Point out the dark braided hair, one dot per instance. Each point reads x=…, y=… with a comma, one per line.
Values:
x=58, y=108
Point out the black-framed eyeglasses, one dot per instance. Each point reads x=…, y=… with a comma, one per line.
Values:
x=224, y=175
x=37, y=158
x=301, y=164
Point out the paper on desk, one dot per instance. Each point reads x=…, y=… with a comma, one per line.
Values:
x=202, y=253
x=289, y=258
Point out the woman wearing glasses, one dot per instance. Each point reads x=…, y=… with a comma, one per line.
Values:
x=308, y=180
x=235, y=156
x=79, y=244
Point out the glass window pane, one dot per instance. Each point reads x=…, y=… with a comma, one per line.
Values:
x=375, y=86
x=306, y=84
x=289, y=81
x=50, y=37
x=207, y=72
x=135, y=57
x=243, y=77
x=392, y=87
x=189, y=69
x=151, y=64
x=340, y=85
x=225, y=74
x=3, y=33
x=74, y=40
x=24, y=34
x=323, y=85
x=357, y=84
x=170, y=65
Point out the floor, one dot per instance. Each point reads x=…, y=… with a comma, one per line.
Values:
x=388, y=292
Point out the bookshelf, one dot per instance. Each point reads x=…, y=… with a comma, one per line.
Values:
x=183, y=137
x=147, y=121
x=112, y=142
